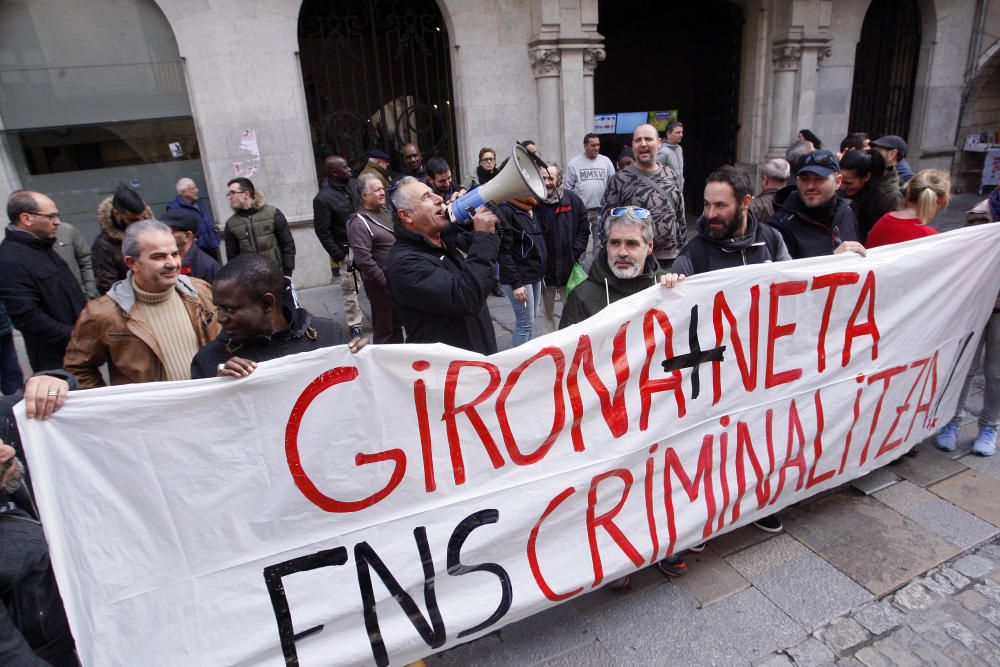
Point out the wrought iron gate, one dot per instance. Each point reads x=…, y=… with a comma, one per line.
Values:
x=885, y=68
x=376, y=75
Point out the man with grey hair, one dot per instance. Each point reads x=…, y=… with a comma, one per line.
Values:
x=794, y=156
x=206, y=236
x=625, y=266
x=773, y=175
x=149, y=326
x=439, y=292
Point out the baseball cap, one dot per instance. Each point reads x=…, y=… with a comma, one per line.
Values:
x=822, y=163
x=891, y=141
x=378, y=154
x=181, y=220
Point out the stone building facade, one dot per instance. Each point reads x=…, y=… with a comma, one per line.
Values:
x=519, y=69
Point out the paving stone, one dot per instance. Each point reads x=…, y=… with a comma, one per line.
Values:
x=872, y=658
x=929, y=630
x=775, y=660
x=929, y=467
x=544, y=636
x=990, y=550
x=879, y=617
x=591, y=654
x=913, y=596
x=974, y=566
x=990, y=589
x=991, y=614
x=927, y=652
x=483, y=651
x=709, y=578
x=739, y=539
x=974, y=492
x=936, y=514
x=810, y=653
x=988, y=465
x=973, y=600
x=802, y=584
x=960, y=633
x=944, y=581
x=664, y=627
x=871, y=543
x=848, y=662
x=898, y=655
x=993, y=635
x=842, y=634
x=875, y=481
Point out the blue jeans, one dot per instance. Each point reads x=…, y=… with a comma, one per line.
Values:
x=524, y=313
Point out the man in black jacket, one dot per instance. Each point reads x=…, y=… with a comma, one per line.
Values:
x=728, y=234
x=34, y=630
x=195, y=262
x=40, y=292
x=812, y=220
x=563, y=217
x=439, y=295
x=335, y=203
x=256, y=325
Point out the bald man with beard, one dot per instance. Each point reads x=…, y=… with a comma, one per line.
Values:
x=647, y=184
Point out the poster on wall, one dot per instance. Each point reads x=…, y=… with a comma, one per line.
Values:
x=660, y=119
x=991, y=168
x=604, y=123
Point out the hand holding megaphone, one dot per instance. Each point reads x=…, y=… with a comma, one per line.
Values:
x=518, y=178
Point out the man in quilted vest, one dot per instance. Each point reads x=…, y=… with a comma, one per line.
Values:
x=257, y=227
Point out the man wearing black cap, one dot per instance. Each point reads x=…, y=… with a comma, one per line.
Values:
x=812, y=220
x=378, y=166
x=194, y=261
x=897, y=169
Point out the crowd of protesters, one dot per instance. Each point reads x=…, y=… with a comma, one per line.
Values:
x=176, y=296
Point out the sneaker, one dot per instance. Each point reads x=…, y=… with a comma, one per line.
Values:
x=769, y=524
x=985, y=443
x=357, y=332
x=697, y=549
x=673, y=566
x=947, y=438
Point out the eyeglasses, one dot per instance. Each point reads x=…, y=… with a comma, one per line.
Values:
x=634, y=211
x=233, y=193
x=488, y=159
x=50, y=216
x=821, y=159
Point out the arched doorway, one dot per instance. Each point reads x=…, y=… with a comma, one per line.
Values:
x=885, y=68
x=683, y=56
x=377, y=75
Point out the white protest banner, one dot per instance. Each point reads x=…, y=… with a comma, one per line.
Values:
x=373, y=508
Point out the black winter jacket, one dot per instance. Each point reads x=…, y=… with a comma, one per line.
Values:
x=602, y=288
x=304, y=333
x=523, y=254
x=804, y=235
x=441, y=297
x=34, y=631
x=42, y=296
x=566, y=231
x=703, y=253
x=332, y=206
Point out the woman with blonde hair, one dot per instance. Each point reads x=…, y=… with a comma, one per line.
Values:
x=924, y=196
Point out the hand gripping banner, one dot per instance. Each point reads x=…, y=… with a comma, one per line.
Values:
x=375, y=508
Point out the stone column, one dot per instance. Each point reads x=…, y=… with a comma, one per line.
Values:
x=591, y=58
x=786, y=64
x=572, y=87
x=546, y=63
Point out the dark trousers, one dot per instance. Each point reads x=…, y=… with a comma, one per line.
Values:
x=385, y=323
x=11, y=378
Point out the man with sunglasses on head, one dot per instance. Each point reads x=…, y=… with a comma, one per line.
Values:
x=649, y=185
x=812, y=219
x=40, y=292
x=623, y=267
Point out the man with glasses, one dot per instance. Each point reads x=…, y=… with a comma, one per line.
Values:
x=38, y=289
x=812, y=219
x=587, y=176
x=257, y=227
x=487, y=168
x=653, y=187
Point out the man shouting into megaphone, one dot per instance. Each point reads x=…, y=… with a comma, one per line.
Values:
x=439, y=295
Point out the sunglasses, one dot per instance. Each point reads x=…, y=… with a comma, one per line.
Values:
x=634, y=211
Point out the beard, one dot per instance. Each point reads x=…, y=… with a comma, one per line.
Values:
x=626, y=273
x=13, y=483
x=728, y=229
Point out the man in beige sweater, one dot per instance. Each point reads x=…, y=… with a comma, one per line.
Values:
x=148, y=326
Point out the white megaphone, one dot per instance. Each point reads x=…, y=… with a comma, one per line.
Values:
x=519, y=177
